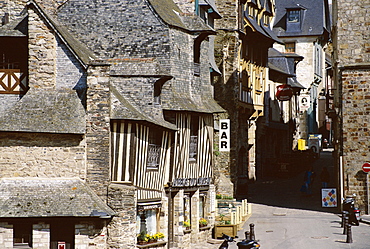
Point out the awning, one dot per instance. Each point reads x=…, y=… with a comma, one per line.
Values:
x=50, y=197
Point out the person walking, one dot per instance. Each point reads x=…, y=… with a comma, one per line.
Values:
x=308, y=180
x=325, y=177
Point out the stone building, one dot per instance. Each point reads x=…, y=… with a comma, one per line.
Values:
x=242, y=43
x=106, y=123
x=304, y=27
x=351, y=109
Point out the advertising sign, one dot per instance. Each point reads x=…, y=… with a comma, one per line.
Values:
x=329, y=197
x=284, y=92
x=304, y=102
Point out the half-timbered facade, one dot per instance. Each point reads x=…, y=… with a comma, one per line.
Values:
x=115, y=110
x=242, y=42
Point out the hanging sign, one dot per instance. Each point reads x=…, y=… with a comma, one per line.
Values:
x=284, y=92
x=224, y=141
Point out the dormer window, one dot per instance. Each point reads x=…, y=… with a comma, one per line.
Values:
x=252, y=11
x=294, y=16
x=266, y=20
x=294, y=19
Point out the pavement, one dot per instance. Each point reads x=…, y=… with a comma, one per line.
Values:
x=284, y=218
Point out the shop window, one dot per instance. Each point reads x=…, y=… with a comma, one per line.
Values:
x=187, y=208
x=147, y=221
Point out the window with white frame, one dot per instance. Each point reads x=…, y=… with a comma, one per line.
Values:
x=147, y=221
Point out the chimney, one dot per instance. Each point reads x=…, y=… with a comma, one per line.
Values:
x=5, y=19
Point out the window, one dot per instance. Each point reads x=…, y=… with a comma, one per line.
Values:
x=290, y=47
x=154, y=149
x=202, y=201
x=193, y=146
x=147, y=221
x=293, y=16
x=187, y=208
x=251, y=12
x=266, y=20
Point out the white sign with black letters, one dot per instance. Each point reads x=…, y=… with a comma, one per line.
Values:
x=224, y=143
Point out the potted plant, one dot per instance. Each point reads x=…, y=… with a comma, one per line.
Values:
x=142, y=238
x=156, y=237
x=203, y=222
x=186, y=224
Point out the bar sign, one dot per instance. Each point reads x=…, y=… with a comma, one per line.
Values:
x=224, y=141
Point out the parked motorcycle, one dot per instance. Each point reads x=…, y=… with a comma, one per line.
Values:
x=227, y=240
x=248, y=244
x=245, y=244
x=353, y=211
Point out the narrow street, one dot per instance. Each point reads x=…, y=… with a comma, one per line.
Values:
x=284, y=218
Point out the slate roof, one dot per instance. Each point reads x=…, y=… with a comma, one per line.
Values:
x=279, y=62
x=315, y=19
x=15, y=28
x=170, y=13
x=183, y=102
x=137, y=67
x=42, y=110
x=128, y=110
x=52, y=197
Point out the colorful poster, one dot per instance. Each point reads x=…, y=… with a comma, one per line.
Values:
x=329, y=197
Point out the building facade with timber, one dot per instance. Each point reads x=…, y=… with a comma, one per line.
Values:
x=106, y=123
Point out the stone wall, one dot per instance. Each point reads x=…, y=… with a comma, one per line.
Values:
x=14, y=8
x=356, y=133
x=41, y=236
x=6, y=235
x=353, y=31
x=98, y=129
x=46, y=155
x=42, y=53
x=122, y=228
x=354, y=50
x=226, y=92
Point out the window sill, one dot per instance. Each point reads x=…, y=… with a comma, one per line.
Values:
x=204, y=228
x=155, y=244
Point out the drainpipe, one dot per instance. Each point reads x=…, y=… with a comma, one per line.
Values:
x=197, y=7
x=338, y=107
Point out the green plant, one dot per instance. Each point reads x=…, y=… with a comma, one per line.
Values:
x=222, y=222
x=227, y=222
x=142, y=236
x=218, y=196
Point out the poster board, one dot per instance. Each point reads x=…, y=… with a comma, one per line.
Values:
x=329, y=197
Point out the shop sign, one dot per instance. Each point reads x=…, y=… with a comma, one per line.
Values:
x=191, y=182
x=224, y=140
x=284, y=92
x=149, y=207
